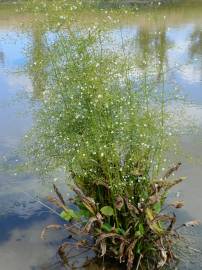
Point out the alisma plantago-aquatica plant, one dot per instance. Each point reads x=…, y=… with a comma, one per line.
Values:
x=110, y=130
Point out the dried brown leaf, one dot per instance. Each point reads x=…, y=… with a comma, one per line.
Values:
x=58, y=194
x=57, y=203
x=163, y=218
x=177, y=204
x=88, y=202
x=132, y=209
x=163, y=260
x=154, y=199
x=192, y=223
x=109, y=235
x=99, y=217
x=167, y=184
x=172, y=170
x=81, y=243
x=103, y=247
x=102, y=183
x=119, y=202
x=51, y=226
x=89, y=225
x=130, y=254
x=172, y=222
x=61, y=253
x=121, y=251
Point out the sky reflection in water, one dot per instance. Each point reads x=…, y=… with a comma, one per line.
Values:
x=21, y=216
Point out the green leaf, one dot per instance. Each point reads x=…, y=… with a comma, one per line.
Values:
x=141, y=229
x=120, y=231
x=139, y=247
x=106, y=227
x=138, y=234
x=107, y=211
x=68, y=215
x=84, y=213
x=157, y=207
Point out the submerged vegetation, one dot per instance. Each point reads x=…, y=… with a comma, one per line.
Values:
x=106, y=122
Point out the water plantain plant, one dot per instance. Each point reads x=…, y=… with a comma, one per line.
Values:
x=109, y=129
x=137, y=234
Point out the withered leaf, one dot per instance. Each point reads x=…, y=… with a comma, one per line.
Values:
x=57, y=202
x=98, y=218
x=103, y=247
x=167, y=184
x=88, y=226
x=61, y=253
x=88, y=202
x=81, y=243
x=130, y=254
x=58, y=194
x=51, y=226
x=119, y=203
x=172, y=170
x=163, y=260
x=154, y=199
x=133, y=210
x=192, y=223
x=177, y=204
x=121, y=251
x=110, y=235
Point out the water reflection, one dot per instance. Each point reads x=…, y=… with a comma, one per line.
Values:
x=160, y=44
x=38, y=74
x=195, y=50
x=2, y=59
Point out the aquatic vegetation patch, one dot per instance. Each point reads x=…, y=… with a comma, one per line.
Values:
x=110, y=131
x=138, y=235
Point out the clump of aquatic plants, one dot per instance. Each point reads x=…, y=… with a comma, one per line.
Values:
x=137, y=234
x=110, y=131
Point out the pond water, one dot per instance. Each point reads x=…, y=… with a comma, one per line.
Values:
x=171, y=37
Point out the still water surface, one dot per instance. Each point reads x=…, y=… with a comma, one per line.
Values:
x=170, y=37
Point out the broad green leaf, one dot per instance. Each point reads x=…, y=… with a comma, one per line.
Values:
x=68, y=215
x=107, y=211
